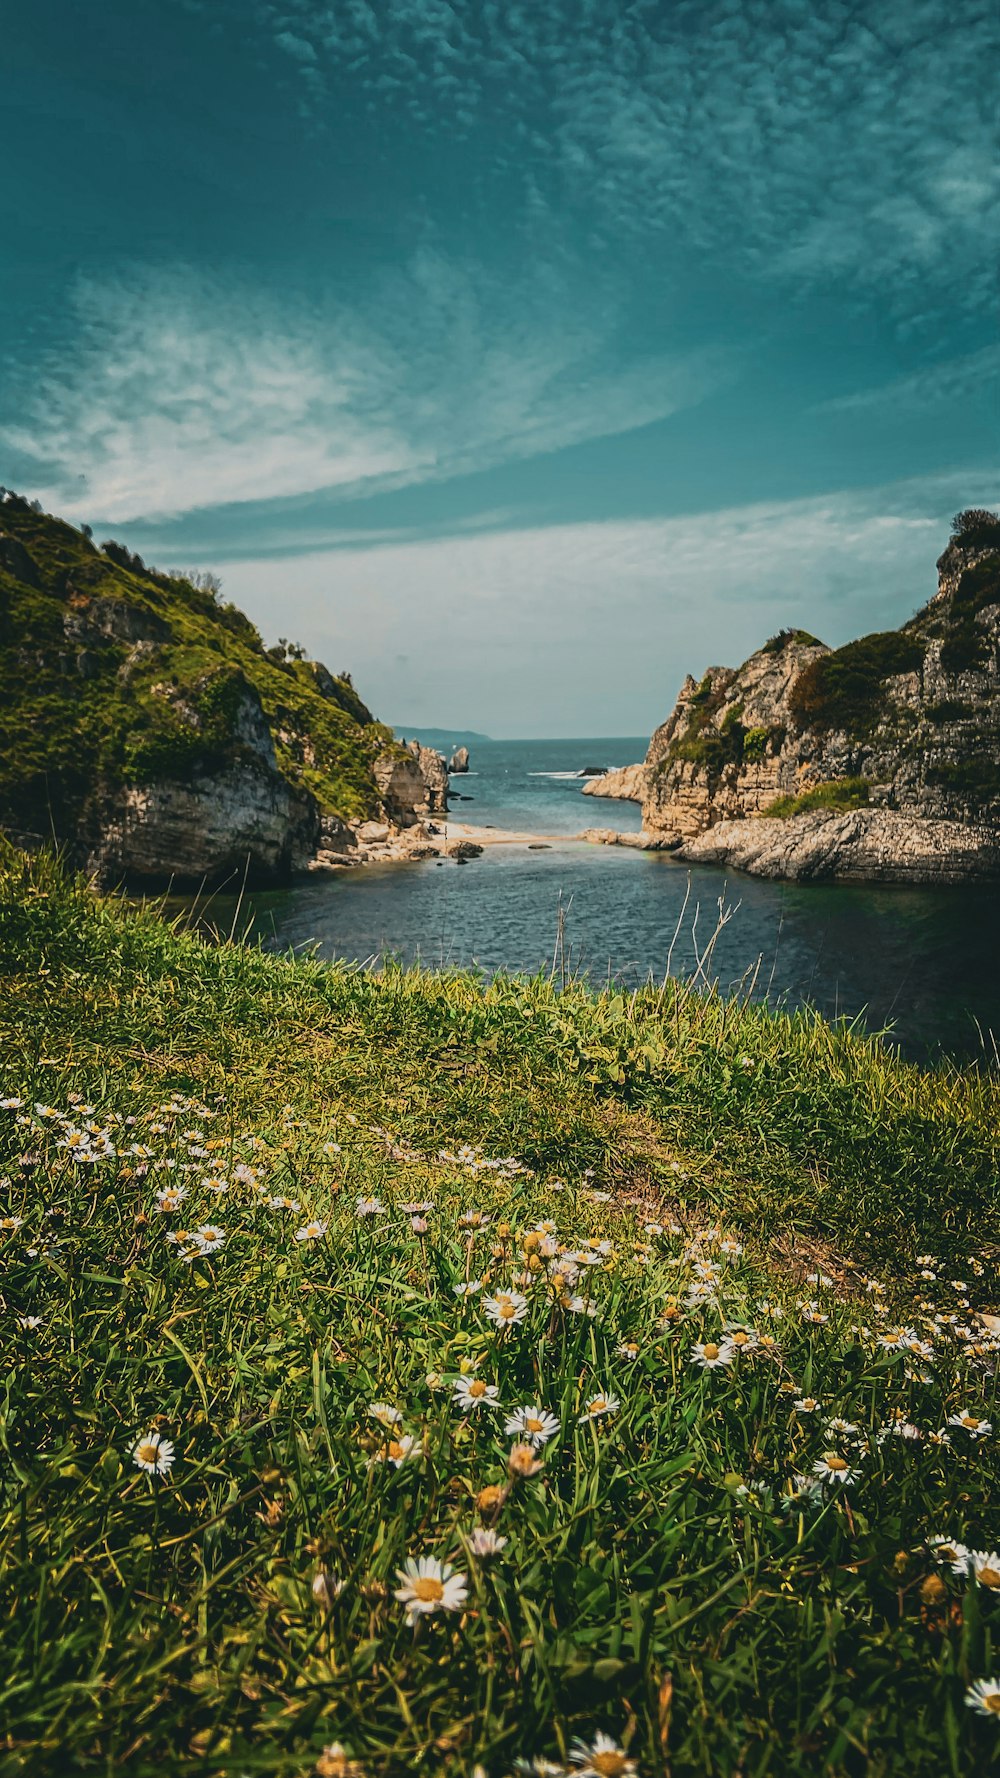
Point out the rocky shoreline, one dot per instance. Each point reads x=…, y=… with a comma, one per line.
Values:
x=876, y=762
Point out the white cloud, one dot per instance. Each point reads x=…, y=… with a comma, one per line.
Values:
x=803, y=141
x=590, y=628
x=949, y=381
x=177, y=392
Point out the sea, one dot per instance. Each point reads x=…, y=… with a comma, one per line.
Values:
x=920, y=965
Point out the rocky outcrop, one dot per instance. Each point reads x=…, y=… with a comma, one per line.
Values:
x=879, y=760
x=191, y=753
x=864, y=845
x=459, y=761
x=626, y=784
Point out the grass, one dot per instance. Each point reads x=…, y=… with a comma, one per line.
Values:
x=665, y=1580
x=836, y=793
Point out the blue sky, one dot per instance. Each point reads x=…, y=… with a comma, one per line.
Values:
x=518, y=357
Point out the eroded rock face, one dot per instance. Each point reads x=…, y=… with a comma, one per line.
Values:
x=904, y=725
x=626, y=784
x=244, y=822
x=459, y=761
x=412, y=786
x=864, y=845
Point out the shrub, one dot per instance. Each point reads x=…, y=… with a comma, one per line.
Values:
x=976, y=528
x=843, y=690
x=836, y=793
x=776, y=644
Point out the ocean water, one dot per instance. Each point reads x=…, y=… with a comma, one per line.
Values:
x=924, y=963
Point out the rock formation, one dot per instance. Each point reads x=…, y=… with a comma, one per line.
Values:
x=877, y=761
x=626, y=784
x=459, y=761
x=144, y=726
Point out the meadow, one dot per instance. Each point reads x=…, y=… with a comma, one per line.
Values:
x=418, y=1374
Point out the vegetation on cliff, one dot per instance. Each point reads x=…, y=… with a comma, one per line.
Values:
x=113, y=673
x=654, y=1316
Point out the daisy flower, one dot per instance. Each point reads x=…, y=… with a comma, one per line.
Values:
x=429, y=1585
x=395, y=1451
x=835, y=1470
x=154, y=1454
x=599, y=1407
x=326, y=1588
x=170, y=1198
x=369, y=1207
x=470, y=1289
x=311, y=1231
x=805, y=1404
x=522, y=1462
x=208, y=1238
x=972, y=1424
x=384, y=1413
x=601, y=1758
x=485, y=1543
x=985, y=1565
x=506, y=1308
x=582, y=1305
x=842, y=1428
x=472, y=1392
x=534, y=1425
x=708, y=1355
x=9, y=1225
x=984, y=1697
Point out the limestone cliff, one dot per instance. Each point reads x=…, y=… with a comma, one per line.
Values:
x=879, y=760
x=145, y=727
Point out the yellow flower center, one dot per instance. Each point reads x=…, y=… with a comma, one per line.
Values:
x=427, y=1589
x=395, y=1449
x=836, y=1463
x=532, y=1424
x=992, y=1702
x=477, y=1388
x=989, y=1577
x=971, y=1421
x=507, y=1309
x=609, y=1764
x=148, y=1453
x=711, y=1350
x=739, y=1339
x=598, y=1405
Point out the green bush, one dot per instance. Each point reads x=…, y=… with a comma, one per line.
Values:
x=836, y=793
x=843, y=689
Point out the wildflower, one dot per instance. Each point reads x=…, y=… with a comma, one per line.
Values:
x=841, y=1428
x=418, y=1225
x=28, y=1323
x=281, y=1203
x=395, y=1451
x=582, y=1305
x=972, y=1424
x=311, y=1231
x=330, y=1149
x=369, y=1207
x=216, y=1185
x=534, y=1425
x=429, y=1585
x=742, y=1339
x=422, y=1209
x=485, y=1543
x=600, y=1407
x=208, y=1238
x=522, y=1463
x=985, y=1566
x=835, y=1470
x=490, y=1499
x=154, y=1454
x=708, y=1355
x=601, y=1758
x=948, y=1549
x=812, y=1314
x=474, y=1393
x=805, y=1404
x=336, y=1762
x=807, y=1491
x=506, y=1308
x=384, y=1414
x=628, y=1350
x=473, y=1219
x=9, y=1225
x=170, y=1198
x=326, y=1588
x=469, y=1289
x=984, y=1697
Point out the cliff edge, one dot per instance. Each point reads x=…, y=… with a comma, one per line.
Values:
x=878, y=761
x=145, y=727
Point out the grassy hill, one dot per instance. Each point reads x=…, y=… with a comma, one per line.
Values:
x=260, y=1219
x=113, y=674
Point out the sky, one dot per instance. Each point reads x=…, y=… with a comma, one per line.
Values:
x=517, y=356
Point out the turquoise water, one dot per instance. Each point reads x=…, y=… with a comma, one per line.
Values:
x=924, y=961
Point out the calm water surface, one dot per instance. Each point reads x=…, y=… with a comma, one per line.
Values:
x=924, y=961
